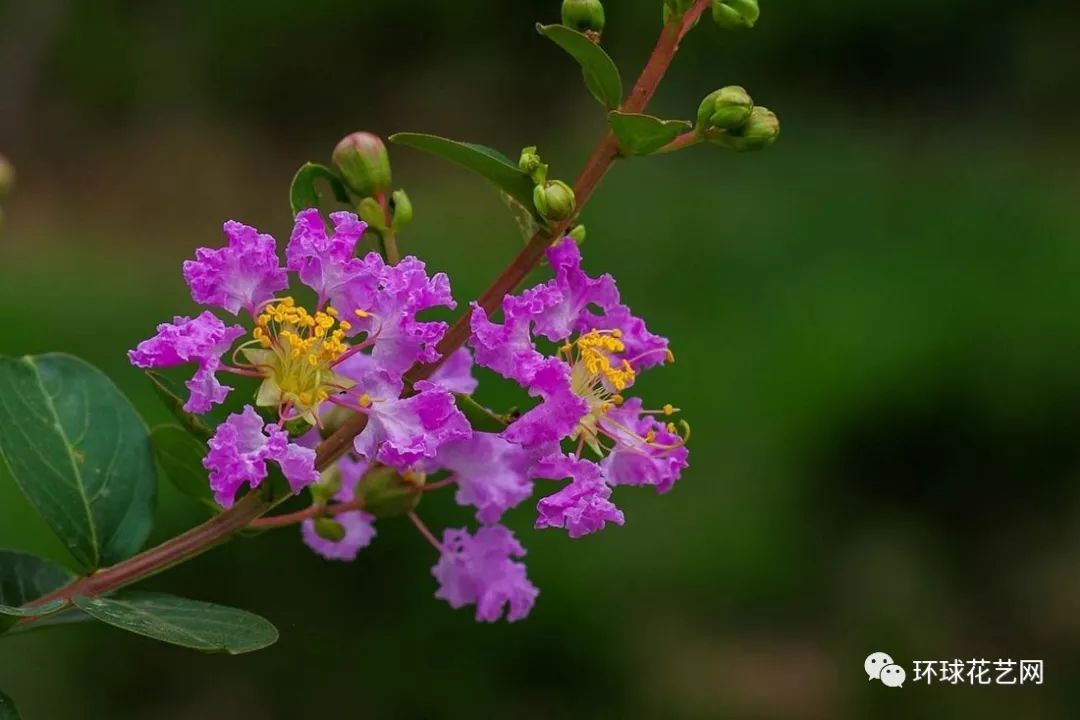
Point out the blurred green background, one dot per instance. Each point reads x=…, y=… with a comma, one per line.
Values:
x=877, y=324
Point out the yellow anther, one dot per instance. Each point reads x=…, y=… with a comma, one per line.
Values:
x=345, y=325
x=331, y=311
x=361, y=313
x=305, y=398
x=650, y=437
x=617, y=399
x=671, y=427
x=364, y=401
x=669, y=409
x=616, y=333
x=670, y=356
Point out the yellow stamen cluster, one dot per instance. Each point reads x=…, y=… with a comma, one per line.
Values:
x=302, y=334
x=595, y=350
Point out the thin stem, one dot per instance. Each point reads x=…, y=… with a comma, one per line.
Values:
x=254, y=505
x=682, y=142
x=428, y=535
x=389, y=239
x=439, y=485
x=278, y=521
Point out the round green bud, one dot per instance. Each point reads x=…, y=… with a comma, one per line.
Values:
x=401, y=207
x=7, y=176
x=531, y=163
x=554, y=200
x=583, y=15
x=735, y=14
x=371, y=212
x=727, y=108
x=759, y=132
x=329, y=529
x=364, y=165
x=385, y=493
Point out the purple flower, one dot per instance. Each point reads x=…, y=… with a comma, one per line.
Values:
x=557, y=415
x=646, y=451
x=492, y=474
x=327, y=263
x=403, y=431
x=508, y=349
x=403, y=291
x=359, y=532
x=202, y=340
x=455, y=374
x=243, y=274
x=577, y=289
x=582, y=507
x=239, y=451
x=479, y=569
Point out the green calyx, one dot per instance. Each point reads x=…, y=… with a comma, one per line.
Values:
x=329, y=529
x=554, y=200
x=385, y=493
x=728, y=108
x=400, y=209
x=585, y=16
x=735, y=14
x=364, y=164
x=759, y=132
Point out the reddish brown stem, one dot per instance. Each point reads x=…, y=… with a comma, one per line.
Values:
x=223, y=526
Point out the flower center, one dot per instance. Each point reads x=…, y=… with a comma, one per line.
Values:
x=296, y=353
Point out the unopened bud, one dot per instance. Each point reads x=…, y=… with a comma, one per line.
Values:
x=583, y=15
x=364, y=165
x=727, y=108
x=735, y=14
x=554, y=200
x=385, y=493
x=759, y=132
x=329, y=529
x=7, y=176
x=578, y=234
x=531, y=163
x=401, y=207
x=371, y=212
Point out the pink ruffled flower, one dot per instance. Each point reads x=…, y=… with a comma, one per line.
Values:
x=327, y=263
x=240, y=449
x=455, y=374
x=632, y=461
x=202, y=340
x=491, y=473
x=244, y=274
x=582, y=507
x=479, y=570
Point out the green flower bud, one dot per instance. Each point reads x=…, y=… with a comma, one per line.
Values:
x=401, y=208
x=329, y=484
x=727, y=108
x=7, y=176
x=554, y=200
x=387, y=494
x=363, y=163
x=585, y=16
x=329, y=529
x=371, y=212
x=578, y=234
x=531, y=163
x=759, y=132
x=735, y=14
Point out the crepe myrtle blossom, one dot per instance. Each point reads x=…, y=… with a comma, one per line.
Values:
x=364, y=308
x=358, y=528
x=601, y=348
x=479, y=569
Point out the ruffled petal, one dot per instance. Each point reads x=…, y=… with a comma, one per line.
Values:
x=557, y=416
x=635, y=461
x=578, y=291
x=327, y=263
x=582, y=507
x=401, y=432
x=455, y=374
x=508, y=349
x=359, y=532
x=492, y=474
x=243, y=274
x=479, y=570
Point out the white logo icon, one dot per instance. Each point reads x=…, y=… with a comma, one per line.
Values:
x=880, y=666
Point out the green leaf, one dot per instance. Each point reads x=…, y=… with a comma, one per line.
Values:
x=524, y=217
x=479, y=417
x=7, y=708
x=171, y=395
x=644, y=134
x=303, y=194
x=601, y=74
x=23, y=579
x=490, y=164
x=181, y=456
x=188, y=623
x=80, y=453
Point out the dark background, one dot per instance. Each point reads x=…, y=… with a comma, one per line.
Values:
x=877, y=325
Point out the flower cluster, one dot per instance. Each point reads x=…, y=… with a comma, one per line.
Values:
x=348, y=352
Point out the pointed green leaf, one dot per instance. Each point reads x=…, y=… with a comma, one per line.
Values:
x=181, y=456
x=490, y=164
x=7, y=708
x=80, y=453
x=601, y=74
x=188, y=623
x=303, y=193
x=23, y=579
x=644, y=134
x=172, y=397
